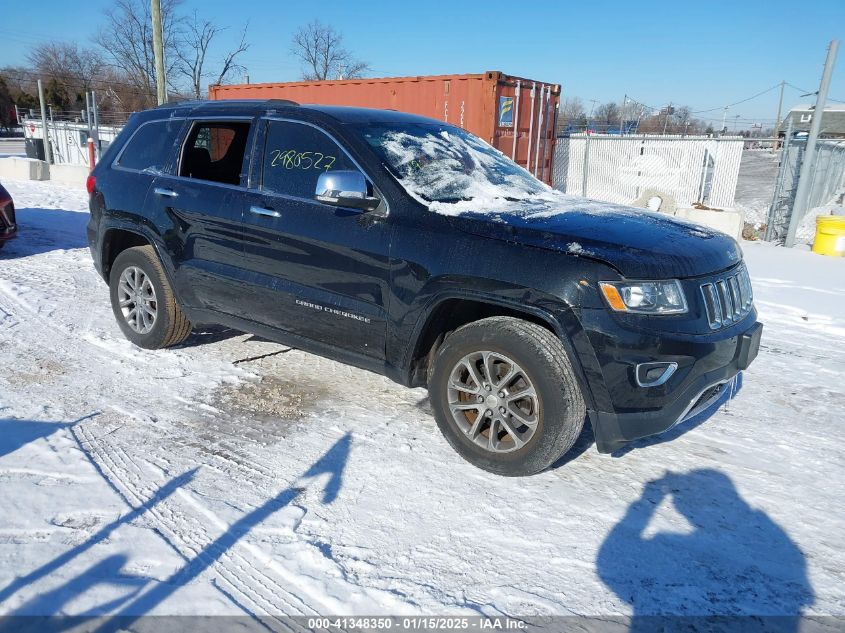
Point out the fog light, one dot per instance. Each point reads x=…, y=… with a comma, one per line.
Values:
x=654, y=374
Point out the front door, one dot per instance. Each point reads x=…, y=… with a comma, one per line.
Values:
x=317, y=271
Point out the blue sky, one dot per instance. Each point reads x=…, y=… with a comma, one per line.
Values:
x=705, y=55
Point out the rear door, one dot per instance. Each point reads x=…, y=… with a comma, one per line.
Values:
x=201, y=201
x=316, y=270
x=150, y=150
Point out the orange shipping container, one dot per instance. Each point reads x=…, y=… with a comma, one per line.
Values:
x=515, y=115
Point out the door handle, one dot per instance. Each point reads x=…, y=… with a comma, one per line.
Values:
x=265, y=212
x=167, y=193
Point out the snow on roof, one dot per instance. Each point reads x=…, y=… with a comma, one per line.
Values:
x=830, y=107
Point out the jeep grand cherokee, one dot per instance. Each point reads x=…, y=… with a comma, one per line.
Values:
x=406, y=246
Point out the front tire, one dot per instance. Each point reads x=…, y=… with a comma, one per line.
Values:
x=505, y=396
x=143, y=301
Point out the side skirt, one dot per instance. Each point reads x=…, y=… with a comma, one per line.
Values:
x=305, y=344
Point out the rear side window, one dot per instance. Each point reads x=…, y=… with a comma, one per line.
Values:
x=215, y=152
x=151, y=146
x=294, y=157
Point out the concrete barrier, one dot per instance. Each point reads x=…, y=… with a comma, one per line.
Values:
x=730, y=222
x=15, y=168
x=70, y=174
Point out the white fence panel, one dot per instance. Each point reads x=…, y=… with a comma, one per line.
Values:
x=620, y=168
x=727, y=155
x=68, y=139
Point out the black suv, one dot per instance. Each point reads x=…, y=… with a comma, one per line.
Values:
x=408, y=247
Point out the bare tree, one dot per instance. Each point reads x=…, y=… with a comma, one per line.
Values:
x=572, y=114
x=193, y=55
x=127, y=38
x=608, y=114
x=21, y=83
x=677, y=120
x=320, y=48
x=71, y=66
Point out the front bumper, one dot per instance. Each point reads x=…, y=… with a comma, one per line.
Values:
x=708, y=366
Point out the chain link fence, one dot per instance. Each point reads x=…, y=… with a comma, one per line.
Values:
x=827, y=184
x=621, y=169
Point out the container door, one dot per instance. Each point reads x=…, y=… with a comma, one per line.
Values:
x=525, y=124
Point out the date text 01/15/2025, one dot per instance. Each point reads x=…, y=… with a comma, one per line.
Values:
x=330, y=310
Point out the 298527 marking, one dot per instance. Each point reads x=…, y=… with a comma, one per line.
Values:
x=294, y=159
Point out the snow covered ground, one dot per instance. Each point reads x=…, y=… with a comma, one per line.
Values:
x=232, y=475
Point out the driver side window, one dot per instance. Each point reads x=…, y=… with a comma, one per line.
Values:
x=295, y=155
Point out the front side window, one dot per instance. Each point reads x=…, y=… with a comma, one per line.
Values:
x=215, y=152
x=151, y=146
x=294, y=157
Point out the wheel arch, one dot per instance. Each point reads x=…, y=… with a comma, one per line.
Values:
x=445, y=313
x=119, y=237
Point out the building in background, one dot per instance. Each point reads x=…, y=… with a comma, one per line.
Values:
x=833, y=120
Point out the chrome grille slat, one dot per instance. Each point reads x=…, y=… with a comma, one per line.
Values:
x=727, y=299
x=727, y=304
x=740, y=284
x=733, y=282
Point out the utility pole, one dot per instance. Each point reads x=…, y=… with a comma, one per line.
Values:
x=158, y=51
x=724, y=121
x=777, y=119
x=799, y=206
x=47, y=153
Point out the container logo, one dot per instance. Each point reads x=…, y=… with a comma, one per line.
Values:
x=505, y=111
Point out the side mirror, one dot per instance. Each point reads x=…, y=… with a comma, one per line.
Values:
x=345, y=188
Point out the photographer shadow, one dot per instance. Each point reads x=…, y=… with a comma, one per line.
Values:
x=731, y=560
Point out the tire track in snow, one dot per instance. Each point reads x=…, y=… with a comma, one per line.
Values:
x=256, y=584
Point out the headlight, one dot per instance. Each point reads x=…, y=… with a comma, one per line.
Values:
x=645, y=297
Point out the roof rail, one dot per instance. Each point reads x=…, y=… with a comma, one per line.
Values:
x=281, y=102
x=197, y=103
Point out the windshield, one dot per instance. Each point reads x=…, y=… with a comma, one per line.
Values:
x=443, y=164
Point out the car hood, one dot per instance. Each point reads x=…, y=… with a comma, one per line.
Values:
x=638, y=243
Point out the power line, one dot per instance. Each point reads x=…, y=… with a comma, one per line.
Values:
x=730, y=105
x=812, y=92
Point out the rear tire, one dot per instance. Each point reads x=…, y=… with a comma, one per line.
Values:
x=528, y=410
x=143, y=301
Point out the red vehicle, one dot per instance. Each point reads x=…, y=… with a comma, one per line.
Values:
x=8, y=228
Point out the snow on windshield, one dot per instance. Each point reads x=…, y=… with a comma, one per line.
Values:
x=453, y=172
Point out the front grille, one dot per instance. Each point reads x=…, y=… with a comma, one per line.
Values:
x=728, y=299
